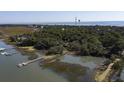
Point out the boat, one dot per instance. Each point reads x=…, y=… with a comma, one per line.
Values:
x=5, y=53
x=2, y=49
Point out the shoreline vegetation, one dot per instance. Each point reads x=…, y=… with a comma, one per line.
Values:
x=57, y=40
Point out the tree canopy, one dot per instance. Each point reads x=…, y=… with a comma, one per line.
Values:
x=88, y=40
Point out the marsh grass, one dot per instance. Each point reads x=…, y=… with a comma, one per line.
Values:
x=73, y=72
x=16, y=30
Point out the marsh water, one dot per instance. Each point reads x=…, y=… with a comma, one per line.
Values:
x=68, y=68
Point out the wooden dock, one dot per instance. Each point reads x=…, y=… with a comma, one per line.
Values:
x=28, y=62
x=47, y=59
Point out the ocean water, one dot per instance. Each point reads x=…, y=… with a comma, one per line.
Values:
x=93, y=23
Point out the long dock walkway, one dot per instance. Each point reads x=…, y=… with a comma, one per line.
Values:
x=28, y=62
x=40, y=57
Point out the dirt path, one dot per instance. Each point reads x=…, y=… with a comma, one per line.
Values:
x=104, y=76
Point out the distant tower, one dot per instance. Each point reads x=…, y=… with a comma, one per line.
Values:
x=79, y=22
x=75, y=20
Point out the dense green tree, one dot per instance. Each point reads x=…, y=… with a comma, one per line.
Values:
x=87, y=40
x=55, y=50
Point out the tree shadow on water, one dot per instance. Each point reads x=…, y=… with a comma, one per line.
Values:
x=72, y=72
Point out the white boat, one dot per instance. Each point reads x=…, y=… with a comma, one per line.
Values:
x=2, y=49
x=5, y=53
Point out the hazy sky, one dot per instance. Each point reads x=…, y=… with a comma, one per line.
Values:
x=43, y=16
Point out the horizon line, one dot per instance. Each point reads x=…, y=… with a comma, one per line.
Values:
x=62, y=22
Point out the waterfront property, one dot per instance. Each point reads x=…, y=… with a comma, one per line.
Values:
x=65, y=51
x=34, y=72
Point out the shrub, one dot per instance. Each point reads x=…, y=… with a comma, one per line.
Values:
x=55, y=50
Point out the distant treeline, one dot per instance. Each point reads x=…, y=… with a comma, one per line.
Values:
x=85, y=40
x=12, y=25
x=19, y=25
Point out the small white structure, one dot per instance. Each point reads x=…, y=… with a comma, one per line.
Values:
x=63, y=29
x=122, y=53
x=42, y=27
x=24, y=64
x=20, y=65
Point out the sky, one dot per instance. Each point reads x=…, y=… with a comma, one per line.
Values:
x=8, y=17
